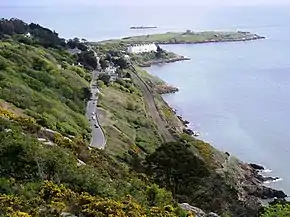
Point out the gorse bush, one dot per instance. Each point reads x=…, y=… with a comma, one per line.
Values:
x=48, y=181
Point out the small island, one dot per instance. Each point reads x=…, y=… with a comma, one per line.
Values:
x=143, y=27
x=188, y=37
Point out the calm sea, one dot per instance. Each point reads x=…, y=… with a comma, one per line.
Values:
x=236, y=94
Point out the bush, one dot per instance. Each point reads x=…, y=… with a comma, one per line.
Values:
x=277, y=210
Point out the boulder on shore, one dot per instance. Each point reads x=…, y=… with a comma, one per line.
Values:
x=269, y=193
x=256, y=166
x=188, y=131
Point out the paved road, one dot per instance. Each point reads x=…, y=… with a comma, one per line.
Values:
x=151, y=107
x=98, y=138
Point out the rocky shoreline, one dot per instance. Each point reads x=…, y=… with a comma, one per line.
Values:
x=250, y=181
x=166, y=89
x=263, y=191
x=163, y=61
x=219, y=40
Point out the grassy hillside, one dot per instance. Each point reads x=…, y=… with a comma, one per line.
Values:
x=125, y=120
x=40, y=87
x=45, y=85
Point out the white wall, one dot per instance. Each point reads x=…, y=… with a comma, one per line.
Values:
x=142, y=48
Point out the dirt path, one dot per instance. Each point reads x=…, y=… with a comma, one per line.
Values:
x=151, y=107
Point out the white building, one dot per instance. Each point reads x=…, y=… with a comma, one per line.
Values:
x=110, y=70
x=74, y=51
x=142, y=48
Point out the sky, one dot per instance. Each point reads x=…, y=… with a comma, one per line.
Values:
x=143, y=2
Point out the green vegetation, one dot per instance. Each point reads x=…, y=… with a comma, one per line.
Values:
x=45, y=85
x=47, y=173
x=39, y=180
x=277, y=210
x=125, y=120
x=147, y=58
x=115, y=53
x=165, y=111
x=185, y=37
x=30, y=33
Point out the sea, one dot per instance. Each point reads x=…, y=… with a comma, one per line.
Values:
x=237, y=94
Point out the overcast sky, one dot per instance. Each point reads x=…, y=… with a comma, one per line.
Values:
x=143, y=2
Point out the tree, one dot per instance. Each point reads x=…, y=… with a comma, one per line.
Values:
x=88, y=59
x=121, y=62
x=72, y=43
x=87, y=94
x=128, y=75
x=108, y=57
x=174, y=166
x=159, y=51
x=104, y=63
x=105, y=78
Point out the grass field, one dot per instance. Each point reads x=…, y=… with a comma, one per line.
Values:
x=187, y=37
x=125, y=121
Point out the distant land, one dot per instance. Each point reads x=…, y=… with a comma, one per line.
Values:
x=143, y=27
x=188, y=37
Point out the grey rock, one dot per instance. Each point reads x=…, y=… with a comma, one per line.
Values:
x=66, y=214
x=212, y=214
x=197, y=211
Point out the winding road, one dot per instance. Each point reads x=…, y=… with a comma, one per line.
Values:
x=98, y=139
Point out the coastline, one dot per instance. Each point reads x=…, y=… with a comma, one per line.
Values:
x=246, y=184
x=254, y=182
x=187, y=37
x=163, y=61
x=216, y=41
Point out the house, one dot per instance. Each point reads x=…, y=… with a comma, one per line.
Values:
x=74, y=51
x=112, y=71
x=142, y=48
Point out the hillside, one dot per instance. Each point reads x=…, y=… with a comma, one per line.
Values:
x=49, y=172
x=45, y=85
x=148, y=166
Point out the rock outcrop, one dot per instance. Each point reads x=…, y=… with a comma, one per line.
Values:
x=197, y=211
x=256, y=166
x=162, y=61
x=165, y=89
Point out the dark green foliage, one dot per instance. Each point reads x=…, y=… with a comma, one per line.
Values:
x=40, y=35
x=86, y=93
x=120, y=62
x=13, y=26
x=104, y=63
x=174, y=166
x=46, y=37
x=159, y=52
x=178, y=167
x=104, y=77
x=76, y=43
x=88, y=59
